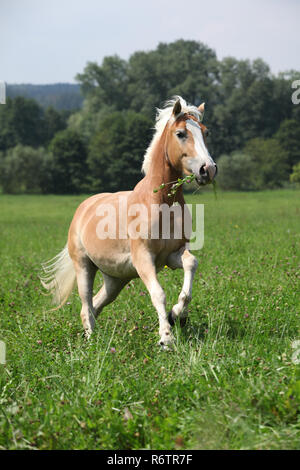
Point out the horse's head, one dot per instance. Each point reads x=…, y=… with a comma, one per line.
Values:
x=186, y=145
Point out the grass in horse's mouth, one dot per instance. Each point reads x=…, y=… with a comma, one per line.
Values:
x=214, y=185
x=176, y=184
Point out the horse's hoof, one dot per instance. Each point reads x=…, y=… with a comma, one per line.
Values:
x=87, y=334
x=165, y=347
x=166, y=341
x=171, y=319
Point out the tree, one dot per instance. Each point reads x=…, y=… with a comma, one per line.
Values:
x=23, y=169
x=183, y=67
x=288, y=137
x=149, y=78
x=68, y=166
x=244, y=102
x=54, y=121
x=87, y=121
x=236, y=172
x=116, y=151
x=21, y=122
x=270, y=160
x=243, y=99
x=295, y=175
x=108, y=82
x=246, y=106
x=286, y=109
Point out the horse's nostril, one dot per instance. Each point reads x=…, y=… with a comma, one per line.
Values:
x=202, y=170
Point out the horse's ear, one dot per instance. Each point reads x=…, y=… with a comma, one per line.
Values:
x=177, y=108
x=201, y=108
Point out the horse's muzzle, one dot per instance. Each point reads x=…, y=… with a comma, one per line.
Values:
x=207, y=174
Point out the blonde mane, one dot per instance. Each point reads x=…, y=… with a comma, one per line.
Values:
x=162, y=117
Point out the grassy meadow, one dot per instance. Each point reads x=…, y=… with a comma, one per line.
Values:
x=231, y=381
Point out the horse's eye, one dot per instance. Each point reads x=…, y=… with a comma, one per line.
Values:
x=181, y=134
x=206, y=132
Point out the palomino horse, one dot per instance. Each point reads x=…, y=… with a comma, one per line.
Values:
x=177, y=148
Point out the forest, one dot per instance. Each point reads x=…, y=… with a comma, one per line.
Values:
x=96, y=142
x=60, y=96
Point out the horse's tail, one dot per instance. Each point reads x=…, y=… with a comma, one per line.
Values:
x=59, y=277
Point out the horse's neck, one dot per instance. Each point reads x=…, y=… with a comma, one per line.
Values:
x=162, y=172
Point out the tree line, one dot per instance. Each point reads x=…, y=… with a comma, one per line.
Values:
x=254, y=126
x=60, y=96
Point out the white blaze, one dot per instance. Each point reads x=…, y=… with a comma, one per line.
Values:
x=202, y=154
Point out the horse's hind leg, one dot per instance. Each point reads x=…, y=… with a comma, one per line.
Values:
x=85, y=273
x=108, y=292
x=183, y=259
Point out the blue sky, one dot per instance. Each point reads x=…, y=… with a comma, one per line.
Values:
x=47, y=41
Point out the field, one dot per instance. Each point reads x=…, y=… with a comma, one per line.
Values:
x=232, y=381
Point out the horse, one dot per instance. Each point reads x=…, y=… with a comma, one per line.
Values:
x=178, y=148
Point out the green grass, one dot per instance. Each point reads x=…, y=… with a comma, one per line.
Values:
x=230, y=383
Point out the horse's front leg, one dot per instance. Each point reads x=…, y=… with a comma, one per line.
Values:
x=183, y=259
x=144, y=263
